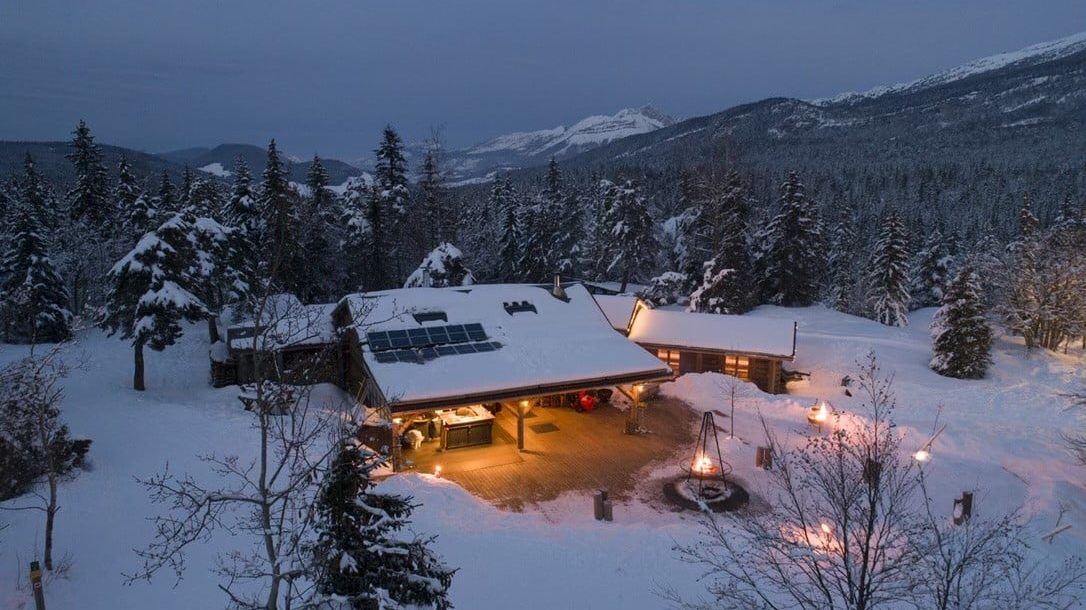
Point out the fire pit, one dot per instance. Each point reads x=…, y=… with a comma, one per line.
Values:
x=704, y=484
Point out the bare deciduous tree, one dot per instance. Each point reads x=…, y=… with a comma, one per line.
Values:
x=851, y=527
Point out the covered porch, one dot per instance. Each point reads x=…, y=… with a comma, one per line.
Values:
x=563, y=451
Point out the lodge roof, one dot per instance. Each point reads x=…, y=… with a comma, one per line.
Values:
x=714, y=332
x=530, y=341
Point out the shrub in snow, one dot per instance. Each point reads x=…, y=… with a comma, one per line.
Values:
x=363, y=554
x=666, y=289
x=441, y=268
x=961, y=336
x=35, y=446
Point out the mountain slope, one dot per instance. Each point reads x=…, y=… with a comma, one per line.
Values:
x=219, y=161
x=50, y=161
x=1027, y=109
x=534, y=148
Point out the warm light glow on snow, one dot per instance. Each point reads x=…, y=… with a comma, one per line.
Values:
x=703, y=465
x=922, y=456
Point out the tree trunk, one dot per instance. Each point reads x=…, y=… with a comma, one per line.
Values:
x=137, y=376
x=50, y=516
x=213, y=328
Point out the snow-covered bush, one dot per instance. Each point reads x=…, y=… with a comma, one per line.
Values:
x=666, y=289
x=441, y=268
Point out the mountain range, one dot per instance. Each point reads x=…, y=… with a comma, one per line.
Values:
x=1025, y=108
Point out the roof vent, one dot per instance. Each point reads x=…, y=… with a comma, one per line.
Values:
x=430, y=316
x=518, y=307
x=557, y=291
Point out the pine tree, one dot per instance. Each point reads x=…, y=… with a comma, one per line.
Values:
x=931, y=272
x=441, y=268
x=841, y=265
x=185, y=191
x=726, y=280
x=33, y=298
x=791, y=263
x=241, y=210
x=889, y=274
x=89, y=199
x=507, y=205
x=132, y=203
x=165, y=201
x=361, y=554
x=316, y=182
x=437, y=214
x=962, y=338
x=390, y=180
x=379, y=270
x=283, y=263
x=152, y=291
x=631, y=243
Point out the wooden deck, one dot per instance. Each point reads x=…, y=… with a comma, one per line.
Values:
x=564, y=451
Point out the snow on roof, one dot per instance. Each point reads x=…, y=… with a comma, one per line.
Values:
x=717, y=332
x=288, y=323
x=618, y=309
x=559, y=343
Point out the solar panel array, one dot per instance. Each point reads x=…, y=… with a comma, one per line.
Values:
x=418, y=356
x=420, y=344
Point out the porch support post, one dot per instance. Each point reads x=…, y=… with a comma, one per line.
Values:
x=520, y=425
x=395, y=450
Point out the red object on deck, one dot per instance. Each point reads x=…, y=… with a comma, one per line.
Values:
x=586, y=401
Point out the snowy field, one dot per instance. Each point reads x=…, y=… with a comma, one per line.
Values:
x=1002, y=439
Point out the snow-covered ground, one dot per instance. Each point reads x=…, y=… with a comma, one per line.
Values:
x=1002, y=437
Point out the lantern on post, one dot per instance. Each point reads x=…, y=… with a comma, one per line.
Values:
x=819, y=413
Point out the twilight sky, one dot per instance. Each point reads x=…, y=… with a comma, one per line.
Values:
x=325, y=75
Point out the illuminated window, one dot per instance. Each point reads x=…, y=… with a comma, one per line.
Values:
x=671, y=357
x=738, y=366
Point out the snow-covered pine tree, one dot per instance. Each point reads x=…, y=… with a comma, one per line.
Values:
x=165, y=200
x=726, y=280
x=437, y=213
x=362, y=558
x=379, y=270
x=316, y=182
x=185, y=190
x=841, y=265
x=278, y=206
x=132, y=203
x=33, y=298
x=152, y=291
x=931, y=271
x=240, y=210
x=888, y=276
x=631, y=243
x=441, y=268
x=390, y=180
x=692, y=241
x=571, y=240
x=479, y=229
x=962, y=338
x=507, y=205
x=89, y=200
x=218, y=270
x=792, y=259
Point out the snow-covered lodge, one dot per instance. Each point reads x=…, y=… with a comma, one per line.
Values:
x=445, y=360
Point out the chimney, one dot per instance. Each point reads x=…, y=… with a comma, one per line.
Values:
x=558, y=291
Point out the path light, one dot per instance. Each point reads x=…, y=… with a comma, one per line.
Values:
x=923, y=454
x=437, y=471
x=819, y=413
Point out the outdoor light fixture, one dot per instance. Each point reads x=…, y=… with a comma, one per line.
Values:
x=923, y=454
x=819, y=413
x=437, y=471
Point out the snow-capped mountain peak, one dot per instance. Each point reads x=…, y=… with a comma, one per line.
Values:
x=1037, y=53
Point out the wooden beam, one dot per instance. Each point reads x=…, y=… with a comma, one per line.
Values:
x=520, y=425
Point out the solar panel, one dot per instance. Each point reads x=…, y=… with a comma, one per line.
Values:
x=439, y=335
x=407, y=355
x=399, y=339
x=457, y=334
x=385, y=357
x=485, y=347
x=446, y=350
x=378, y=341
x=418, y=337
x=428, y=353
x=465, y=348
x=475, y=332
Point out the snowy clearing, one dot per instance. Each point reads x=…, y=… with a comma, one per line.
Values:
x=1003, y=437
